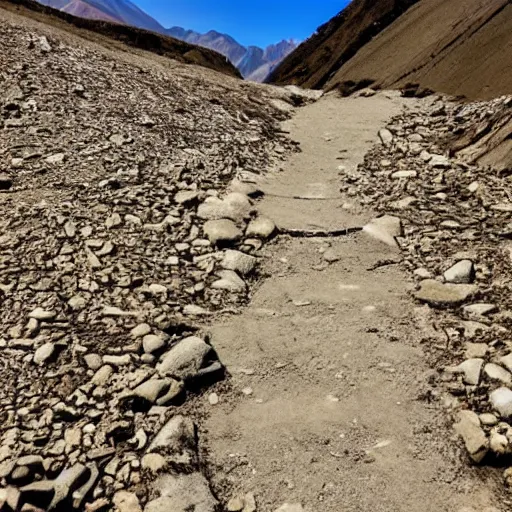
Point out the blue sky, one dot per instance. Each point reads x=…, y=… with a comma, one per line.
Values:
x=256, y=22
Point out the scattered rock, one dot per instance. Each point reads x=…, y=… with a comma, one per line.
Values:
x=238, y=262
x=261, y=227
x=219, y=231
x=501, y=400
x=472, y=369
x=185, y=359
x=385, y=229
x=461, y=273
x=474, y=437
x=497, y=373
x=439, y=294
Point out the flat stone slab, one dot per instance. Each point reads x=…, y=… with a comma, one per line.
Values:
x=444, y=295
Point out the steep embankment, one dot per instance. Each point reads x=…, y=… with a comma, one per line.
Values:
x=130, y=36
x=314, y=61
x=460, y=48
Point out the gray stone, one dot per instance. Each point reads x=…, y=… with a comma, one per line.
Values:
x=177, y=435
x=476, y=350
x=501, y=400
x=385, y=229
x=481, y=309
x=153, y=343
x=440, y=294
x=223, y=230
x=460, y=273
x=186, y=196
x=234, y=206
x=261, y=227
x=93, y=361
x=472, y=369
x=488, y=419
x=126, y=502
x=67, y=482
x=43, y=315
x=185, y=492
x=184, y=359
x=44, y=353
x=386, y=137
x=151, y=389
x=439, y=161
x=497, y=373
x=474, y=437
x=102, y=376
x=498, y=443
x=230, y=281
x=140, y=330
x=239, y=262
x=404, y=174
x=123, y=360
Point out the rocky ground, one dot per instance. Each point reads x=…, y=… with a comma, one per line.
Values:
x=122, y=224
x=456, y=219
x=128, y=220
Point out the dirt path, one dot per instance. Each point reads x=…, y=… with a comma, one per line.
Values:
x=328, y=372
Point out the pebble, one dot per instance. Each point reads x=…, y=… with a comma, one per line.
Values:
x=43, y=315
x=213, y=398
x=497, y=373
x=439, y=294
x=468, y=427
x=472, y=369
x=140, y=330
x=386, y=137
x=477, y=310
x=229, y=281
x=126, y=502
x=184, y=359
x=385, y=229
x=460, y=273
x=239, y=262
x=44, y=353
x=501, y=400
x=223, y=230
x=93, y=361
x=153, y=343
x=154, y=462
x=261, y=227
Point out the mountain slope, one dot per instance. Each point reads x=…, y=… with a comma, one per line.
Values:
x=462, y=47
x=313, y=62
x=120, y=11
x=256, y=63
x=214, y=40
x=117, y=35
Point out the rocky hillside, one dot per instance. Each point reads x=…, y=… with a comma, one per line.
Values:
x=117, y=235
x=253, y=62
x=119, y=11
x=315, y=60
x=461, y=48
x=117, y=35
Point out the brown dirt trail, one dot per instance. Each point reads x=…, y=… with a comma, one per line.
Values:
x=329, y=378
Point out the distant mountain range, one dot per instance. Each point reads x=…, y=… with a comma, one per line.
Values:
x=253, y=62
